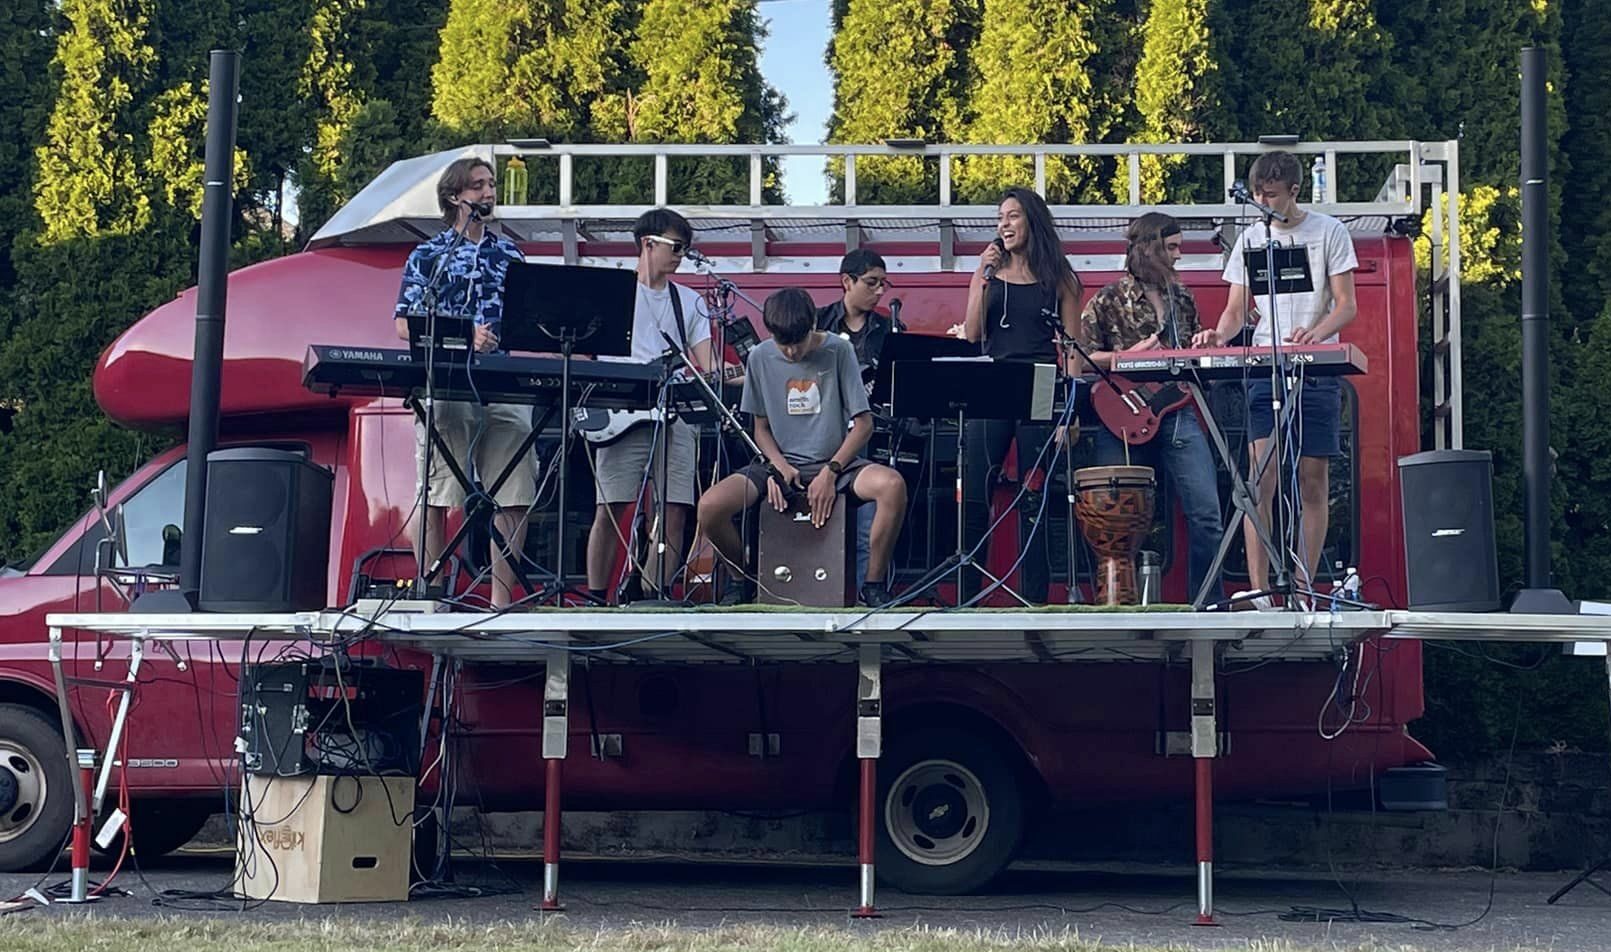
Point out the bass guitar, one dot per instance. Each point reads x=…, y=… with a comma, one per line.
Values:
x=603, y=427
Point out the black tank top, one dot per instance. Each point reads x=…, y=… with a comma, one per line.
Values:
x=1018, y=322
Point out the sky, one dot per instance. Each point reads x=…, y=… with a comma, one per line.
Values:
x=792, y=61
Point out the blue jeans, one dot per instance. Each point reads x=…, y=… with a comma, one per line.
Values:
x=864, y=542
x=1181, y=451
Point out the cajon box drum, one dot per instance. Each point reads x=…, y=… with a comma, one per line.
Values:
x=325, y=838
x=797, y=564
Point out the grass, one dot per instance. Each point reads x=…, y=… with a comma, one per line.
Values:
x=24, y=933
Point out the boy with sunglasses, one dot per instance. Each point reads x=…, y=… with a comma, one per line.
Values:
x=646, y=453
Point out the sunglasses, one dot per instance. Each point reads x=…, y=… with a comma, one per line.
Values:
x=678, y=248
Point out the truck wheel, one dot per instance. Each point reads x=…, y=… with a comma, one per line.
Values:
x=951, y=812
x=36, y=792
x=161, y=826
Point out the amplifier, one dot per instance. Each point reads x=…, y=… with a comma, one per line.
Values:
x=330, y=716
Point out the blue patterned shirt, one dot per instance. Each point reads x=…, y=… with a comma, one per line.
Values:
x=471, y=283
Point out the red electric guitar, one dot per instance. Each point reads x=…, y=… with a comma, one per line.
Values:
x=1134, y=411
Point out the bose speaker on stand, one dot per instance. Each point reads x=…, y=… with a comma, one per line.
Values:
x=1449, y=551
x=266, y=541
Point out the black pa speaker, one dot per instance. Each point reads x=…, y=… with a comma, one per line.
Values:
x=266, y=534
x=1449, y=551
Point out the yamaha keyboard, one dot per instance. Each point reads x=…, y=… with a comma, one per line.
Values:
x=1224, y=363
x=497, y=378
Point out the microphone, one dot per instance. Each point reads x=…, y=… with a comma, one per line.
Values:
x=696, y=256
x=895, y=316
x=479, y=210
x=990, y=269
x=1238, y=191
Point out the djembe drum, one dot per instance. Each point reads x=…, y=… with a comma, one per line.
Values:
x=1114, y=507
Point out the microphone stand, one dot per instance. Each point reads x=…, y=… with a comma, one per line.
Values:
x=428, y=299
x=1278, y=565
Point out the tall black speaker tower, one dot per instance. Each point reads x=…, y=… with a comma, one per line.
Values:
x=1449, y=553
x=266, y=545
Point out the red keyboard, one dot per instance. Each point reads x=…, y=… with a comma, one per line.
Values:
x=1221, y=363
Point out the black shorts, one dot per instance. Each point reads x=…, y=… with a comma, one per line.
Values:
x=757, y=474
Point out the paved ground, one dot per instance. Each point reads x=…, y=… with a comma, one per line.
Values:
x=1144, y=905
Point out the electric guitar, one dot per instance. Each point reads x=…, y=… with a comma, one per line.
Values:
x=1134, y=411
x=603, y=427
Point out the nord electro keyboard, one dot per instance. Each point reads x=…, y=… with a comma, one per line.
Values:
x=500, y=378
x=1222, y=363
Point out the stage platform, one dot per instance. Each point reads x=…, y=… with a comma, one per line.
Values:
x=867, y=639
x=751, y=635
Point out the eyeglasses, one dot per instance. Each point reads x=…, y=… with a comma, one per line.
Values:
x=678, y=248
x=875, y=283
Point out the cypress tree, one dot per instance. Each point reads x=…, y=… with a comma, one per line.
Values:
x=900, y=70
x=1176, y=99
x=1034, y=82
x=697, y=79
x=528, y=67
x=365, y=83
x=27, y=32
x=88, y=180
x=1586, y=231
x=99, y=259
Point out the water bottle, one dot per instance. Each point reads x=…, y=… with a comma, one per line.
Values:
x=1337, y=580
x=1353, y=586
x=1317, y=179
x=1151, y=580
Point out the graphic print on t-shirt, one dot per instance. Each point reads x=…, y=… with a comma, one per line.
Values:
x=804, y=398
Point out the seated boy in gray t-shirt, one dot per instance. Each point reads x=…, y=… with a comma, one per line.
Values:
x=811, y=420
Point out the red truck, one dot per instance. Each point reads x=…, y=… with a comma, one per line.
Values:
x=964, y=742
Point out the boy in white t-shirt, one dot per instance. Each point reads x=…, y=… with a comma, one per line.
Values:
x=664, y=309
x=1303, y=317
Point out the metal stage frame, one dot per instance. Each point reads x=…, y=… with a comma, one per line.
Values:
x=867, y=639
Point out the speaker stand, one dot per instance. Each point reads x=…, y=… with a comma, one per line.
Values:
x=1541, y=601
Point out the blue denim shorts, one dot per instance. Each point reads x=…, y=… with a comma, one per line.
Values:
x=1320, y=415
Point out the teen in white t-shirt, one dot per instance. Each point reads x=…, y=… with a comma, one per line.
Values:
x=1310, y=317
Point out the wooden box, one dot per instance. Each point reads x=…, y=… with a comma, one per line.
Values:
x=326, y=838
x=798, y=564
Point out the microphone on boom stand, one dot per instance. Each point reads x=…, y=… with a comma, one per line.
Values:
x=1238, y=191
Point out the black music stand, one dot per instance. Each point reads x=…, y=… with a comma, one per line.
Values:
x=959, y=388
x=583, y=310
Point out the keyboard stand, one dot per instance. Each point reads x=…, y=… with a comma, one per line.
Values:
x=1242, y=498
x=516, y=559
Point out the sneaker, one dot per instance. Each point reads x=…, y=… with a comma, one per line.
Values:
x=1258, y=603
x=875, y=595
x=737, y=592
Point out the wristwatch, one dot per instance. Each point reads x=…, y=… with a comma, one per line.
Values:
x=835, y=467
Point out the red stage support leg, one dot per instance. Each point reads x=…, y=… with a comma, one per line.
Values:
x=81, y=827
x=869, y=744
x=1204, y=748
x=556, y=728
x=551, y=836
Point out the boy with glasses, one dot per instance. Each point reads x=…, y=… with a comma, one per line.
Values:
x=863, y=280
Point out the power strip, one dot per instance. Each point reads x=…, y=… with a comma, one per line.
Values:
x=372, y=607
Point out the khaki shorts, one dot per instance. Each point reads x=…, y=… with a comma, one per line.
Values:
x=621, y=465
x=506, y=426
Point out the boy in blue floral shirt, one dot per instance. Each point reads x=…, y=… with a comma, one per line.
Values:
x=464, y=266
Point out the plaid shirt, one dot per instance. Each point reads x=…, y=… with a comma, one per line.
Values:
x=1120, y=316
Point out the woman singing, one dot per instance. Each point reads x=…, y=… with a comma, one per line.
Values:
x=1023, y=289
